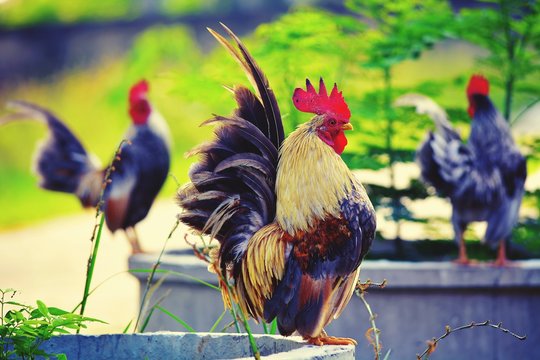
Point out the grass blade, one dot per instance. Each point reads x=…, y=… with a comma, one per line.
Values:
x=126, y=329
x=153, y=273
x=145, y=305
x=91, y=266
x=177, y=319
x=252, y=342
x=273, y=328
x=176, y=273
x=218, y=321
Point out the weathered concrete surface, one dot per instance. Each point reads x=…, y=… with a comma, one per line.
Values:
x=171, y=345
x=419, y=300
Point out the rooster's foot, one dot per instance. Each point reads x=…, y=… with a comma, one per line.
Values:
x=502, y=263
x=329, y=340
x=501, y=260
x=465, y=261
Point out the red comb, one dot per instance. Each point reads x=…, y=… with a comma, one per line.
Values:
x=321, y=103
x=478, y=85
x=138, y=90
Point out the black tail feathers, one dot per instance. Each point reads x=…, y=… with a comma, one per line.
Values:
x=61, y=162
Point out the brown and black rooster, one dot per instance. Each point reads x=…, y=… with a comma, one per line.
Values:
x=63, y=164
x=292, y=221
x=484, y=178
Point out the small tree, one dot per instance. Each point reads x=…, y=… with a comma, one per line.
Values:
x=510, y=30
x=306, y=42
x=402, y=30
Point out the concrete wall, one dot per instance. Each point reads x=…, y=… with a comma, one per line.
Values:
x=419, y=301
x=179, y=346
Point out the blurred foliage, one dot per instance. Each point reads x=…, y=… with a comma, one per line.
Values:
x=307, y=41
x=22, y=13
x=509, y=30
x=15, y=13
x=401, y=30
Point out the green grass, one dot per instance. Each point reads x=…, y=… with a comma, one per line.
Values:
x=24, y=203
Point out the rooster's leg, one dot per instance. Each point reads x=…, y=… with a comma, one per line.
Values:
x=324, y=339
x=501, y=260
x=133, y=241
x=462, y=258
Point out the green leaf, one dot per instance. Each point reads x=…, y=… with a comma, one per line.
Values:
x=43, y=308
x=273, y=328
x=56, y=311
x=14, y=303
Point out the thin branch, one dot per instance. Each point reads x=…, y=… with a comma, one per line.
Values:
x=432, y=344
x=96, y=233
x=202, y=253
x=372, y=334
x=363, y=286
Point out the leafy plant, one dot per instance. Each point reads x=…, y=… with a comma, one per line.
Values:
x=24, y=328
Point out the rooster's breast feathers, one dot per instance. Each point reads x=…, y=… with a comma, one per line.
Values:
x=138, y=176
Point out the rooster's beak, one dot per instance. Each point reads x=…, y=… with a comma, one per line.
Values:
x=347, y=126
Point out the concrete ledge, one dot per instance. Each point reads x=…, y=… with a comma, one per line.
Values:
x=400, y=274
x=420, y=299
x=449, y=275
x=171, y=345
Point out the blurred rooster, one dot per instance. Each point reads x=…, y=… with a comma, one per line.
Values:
x=292, y=221
x=484, y=178
x=63, y=164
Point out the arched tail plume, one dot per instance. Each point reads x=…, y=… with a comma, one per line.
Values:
x=61, y=162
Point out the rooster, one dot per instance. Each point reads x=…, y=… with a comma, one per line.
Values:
x=292, y=221
x=63, y=164
x=484, y=178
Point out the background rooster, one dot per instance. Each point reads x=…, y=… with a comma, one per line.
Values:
x=484, y=178
x=292, y=221
x=63, y=164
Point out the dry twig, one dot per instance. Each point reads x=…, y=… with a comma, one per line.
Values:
x=432, y=344
x=203, y=252
x=372, y=334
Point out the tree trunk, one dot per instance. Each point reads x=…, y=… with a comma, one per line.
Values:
x=508, y=92
x=389, y=113
x=506, y=19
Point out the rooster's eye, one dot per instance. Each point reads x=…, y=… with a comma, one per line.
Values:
x=332, y=122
